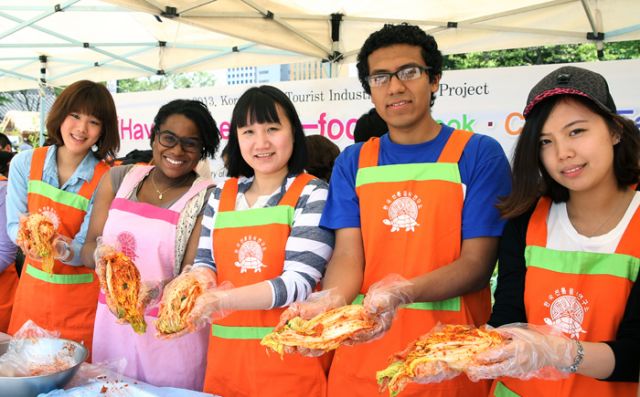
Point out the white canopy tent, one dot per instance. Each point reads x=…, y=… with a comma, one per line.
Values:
x=87, y=39
x=335, y=30
x=112, y=39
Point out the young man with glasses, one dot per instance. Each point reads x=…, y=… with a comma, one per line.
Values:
x=418, y=202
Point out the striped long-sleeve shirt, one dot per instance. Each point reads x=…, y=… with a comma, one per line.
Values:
x=308, y=247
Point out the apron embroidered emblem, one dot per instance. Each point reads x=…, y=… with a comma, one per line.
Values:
x=250, y=253
x=567, y=309
x=402, y=209
x=52, y=215
x=127, y=244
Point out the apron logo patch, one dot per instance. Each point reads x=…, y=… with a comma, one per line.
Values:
x=52, y=215
x=250, y=250
x=566, y=311
x=402, y=209
x=127, y=244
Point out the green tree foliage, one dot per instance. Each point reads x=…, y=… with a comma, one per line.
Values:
x=542, y=55
x=172, y=81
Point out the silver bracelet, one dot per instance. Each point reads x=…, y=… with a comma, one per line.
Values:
x=573, y=368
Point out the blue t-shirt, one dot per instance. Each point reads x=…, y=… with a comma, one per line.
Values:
x=484, y=170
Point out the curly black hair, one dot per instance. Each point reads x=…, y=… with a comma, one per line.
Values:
x=197, y=112
x=400, y=34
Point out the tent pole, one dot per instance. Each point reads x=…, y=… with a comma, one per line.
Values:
x=42, y=91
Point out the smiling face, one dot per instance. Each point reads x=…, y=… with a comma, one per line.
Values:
x=267, y=147
x=576, y=148
x=404, y=105
x=175, y=162
x=80, y=132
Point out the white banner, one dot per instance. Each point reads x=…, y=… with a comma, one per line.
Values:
x=487, y=101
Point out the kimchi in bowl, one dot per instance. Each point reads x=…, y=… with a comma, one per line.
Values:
x=51, y=377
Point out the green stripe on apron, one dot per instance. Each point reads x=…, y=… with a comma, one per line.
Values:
x=59, y=278
x=452, y=304
x=502, y=391
x=226, y=332
x=59, y=196
x=588, y=263
x=281, y=214
x=408, y=172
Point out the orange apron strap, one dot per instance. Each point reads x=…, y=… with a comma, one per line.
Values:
x=37, y=163
x=537, y=229
x=3, y=178
x=87, y=188
x=292, y=195
x=369, y=153
x=228, y=195
x=455, y=146
x=629, y=240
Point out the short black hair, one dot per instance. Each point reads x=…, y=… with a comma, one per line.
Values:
x=400, y=34
x=4, y=141
x=369, y=125
x=258, y=105
x=5, y=159
x=197, y=112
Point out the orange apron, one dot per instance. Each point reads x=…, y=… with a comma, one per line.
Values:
x=249, y=247
x=582, y=293
x=411, y=217
x=65, y=300
x=8, y=284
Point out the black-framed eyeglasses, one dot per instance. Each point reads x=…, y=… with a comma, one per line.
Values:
x=169, y=139
x=406, y=73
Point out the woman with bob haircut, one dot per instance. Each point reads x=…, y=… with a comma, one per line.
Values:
x=59, y=181
x=152, y=214
x=260, y=234
x=569, y=256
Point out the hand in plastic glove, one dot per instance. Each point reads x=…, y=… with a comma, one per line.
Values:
x=35, y=235
x=212, y=305
x=315, y=304
x=532, y=352
x=62, y=248
x=150, y=294
x=381, y=303
x=102, y=250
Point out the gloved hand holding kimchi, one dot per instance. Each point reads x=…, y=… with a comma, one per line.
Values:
x=381, y=305
x=180, y=298
x=533, y=352
x=439, y=355
x=327, y=330
x=120, y=282
x=36, y=236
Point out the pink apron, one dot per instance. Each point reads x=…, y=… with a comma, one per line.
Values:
x=147, y=234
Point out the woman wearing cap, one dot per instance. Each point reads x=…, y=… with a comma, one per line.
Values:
x=569, y=255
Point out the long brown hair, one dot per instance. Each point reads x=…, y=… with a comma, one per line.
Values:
x=87, y=97
x=531, y=180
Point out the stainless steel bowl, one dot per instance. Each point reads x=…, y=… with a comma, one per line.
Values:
x=30, y=386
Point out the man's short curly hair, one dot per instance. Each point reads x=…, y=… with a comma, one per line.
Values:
x=400, y=34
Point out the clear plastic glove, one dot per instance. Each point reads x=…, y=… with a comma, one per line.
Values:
x=315, y=304
x=212, y=305
x=102, y=249
x=534, y=352
x=35, y=236
x=62, y=248
x=381, y=303
x=150, y=294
